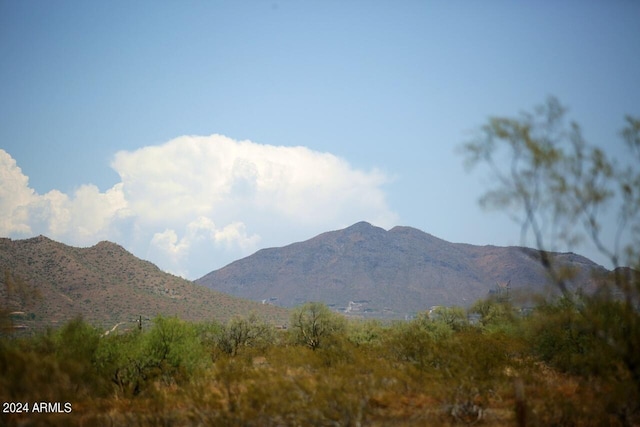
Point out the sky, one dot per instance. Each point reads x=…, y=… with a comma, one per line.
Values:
x=195, y=133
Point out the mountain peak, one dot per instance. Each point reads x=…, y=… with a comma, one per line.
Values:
x=38, y=239
x=360, y=226
x=396, y=272
x=108, y=285
x=108, y=245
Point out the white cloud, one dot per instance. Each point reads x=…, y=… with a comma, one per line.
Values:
x=236, y=234
x=15, y=195
x=195, y=203
x=201, y=235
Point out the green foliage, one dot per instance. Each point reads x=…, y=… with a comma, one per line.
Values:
x=242, y=332
x=121, y=359
x=428, y=371
x=577, y=335
x=558, y=186
x=171, y=352
x=312, y=324
x=174, y=348
x=54, y=365
x=495, y=314
x=453, y=317
x=76, y=344
x=15, y=295
x=412, y=342
x=365, y=332
x=574, y=361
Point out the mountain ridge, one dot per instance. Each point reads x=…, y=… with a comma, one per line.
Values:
x=392, y=273
x=105, y=284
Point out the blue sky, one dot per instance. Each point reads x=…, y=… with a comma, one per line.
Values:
x=194, y=133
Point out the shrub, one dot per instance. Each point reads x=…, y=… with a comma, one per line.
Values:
x=313, y=323
x=242, y=332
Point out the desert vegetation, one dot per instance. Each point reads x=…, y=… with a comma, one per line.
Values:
x=569, y=359
x=548, y=367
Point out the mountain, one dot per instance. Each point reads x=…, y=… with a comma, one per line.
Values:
x=51, y=283
x=368, y=270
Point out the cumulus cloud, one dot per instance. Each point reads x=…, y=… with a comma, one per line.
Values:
x=195, y=203
x=15, y=195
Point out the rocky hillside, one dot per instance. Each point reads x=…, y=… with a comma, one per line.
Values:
x=45, y=283
x=367, y=270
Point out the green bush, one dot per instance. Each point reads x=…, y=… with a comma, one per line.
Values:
x=76, y=344
x=428, y=371
x=241, y=332
x=365, y=332
x=171, y=352
x=174, y=348
x=561, y=336
x=313, y=323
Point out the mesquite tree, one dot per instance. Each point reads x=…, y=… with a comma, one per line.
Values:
x=564, y=191
x=313, y=322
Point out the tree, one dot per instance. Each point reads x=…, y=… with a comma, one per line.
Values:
x=558, y=187
x=313, y=322
x=454, y=317
x=493, y=312
x=173, y=347
x=561, y=189
x=245, y=332
x=171, y=351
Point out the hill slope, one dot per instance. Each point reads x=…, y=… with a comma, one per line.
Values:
x=106, y=285
x=383, y=273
